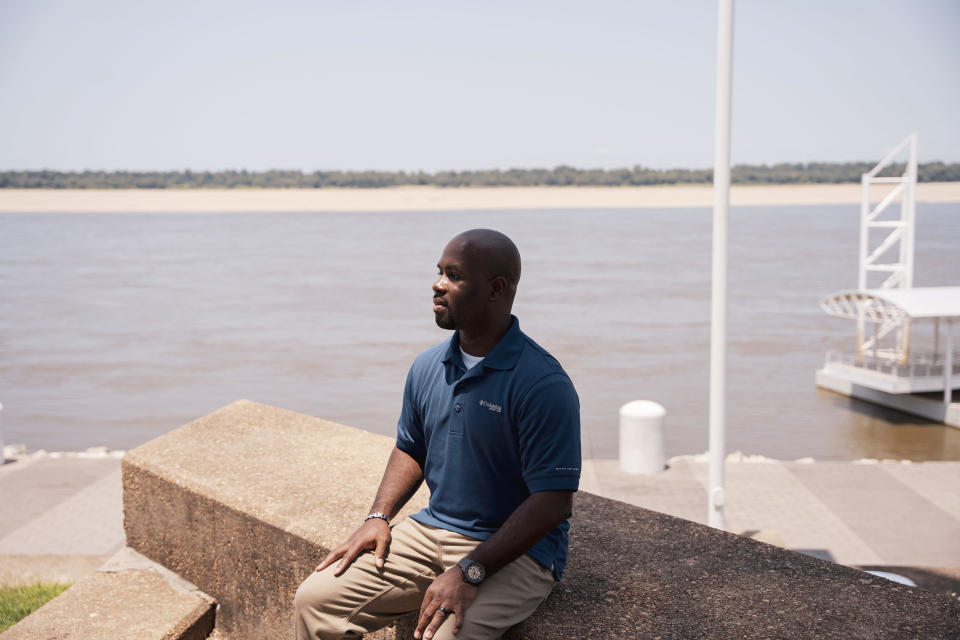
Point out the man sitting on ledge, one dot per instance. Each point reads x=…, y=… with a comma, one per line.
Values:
x=492, y=423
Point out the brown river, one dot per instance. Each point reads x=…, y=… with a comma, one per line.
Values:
x=115, y=328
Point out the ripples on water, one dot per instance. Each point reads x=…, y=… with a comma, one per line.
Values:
x=117, y=328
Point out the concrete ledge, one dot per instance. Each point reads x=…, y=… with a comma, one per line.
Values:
x=246, y=500
x=142, y=603
x=639, y=573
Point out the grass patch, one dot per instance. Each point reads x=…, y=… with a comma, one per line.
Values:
x=17, y=602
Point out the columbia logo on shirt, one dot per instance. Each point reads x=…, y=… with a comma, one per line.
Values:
x=493, y=407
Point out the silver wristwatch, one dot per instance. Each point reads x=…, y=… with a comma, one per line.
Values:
x=377, y=514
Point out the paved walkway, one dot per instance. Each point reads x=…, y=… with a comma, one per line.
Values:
x=61, y=517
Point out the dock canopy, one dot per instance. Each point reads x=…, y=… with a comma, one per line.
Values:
x=880, y=305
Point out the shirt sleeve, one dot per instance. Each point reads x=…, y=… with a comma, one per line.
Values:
x=410, y=426
x=549, y=435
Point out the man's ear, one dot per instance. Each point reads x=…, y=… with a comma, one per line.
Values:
x=498, y=287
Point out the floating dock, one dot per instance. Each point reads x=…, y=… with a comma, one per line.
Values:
x=893, y=318
x=915, y=381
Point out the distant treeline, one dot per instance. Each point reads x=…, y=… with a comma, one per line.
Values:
x=812, y=173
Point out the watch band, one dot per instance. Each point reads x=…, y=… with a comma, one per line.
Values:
x=377, y=514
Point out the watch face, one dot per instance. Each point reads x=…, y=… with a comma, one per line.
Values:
x=474, y=572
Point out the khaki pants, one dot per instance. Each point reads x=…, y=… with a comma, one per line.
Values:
x=363, y=599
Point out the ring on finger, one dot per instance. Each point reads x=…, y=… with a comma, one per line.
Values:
x=443, y=610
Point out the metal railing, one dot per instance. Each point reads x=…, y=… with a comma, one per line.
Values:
x=927, y=364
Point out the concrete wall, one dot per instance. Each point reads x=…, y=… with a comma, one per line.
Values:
x=245, y=501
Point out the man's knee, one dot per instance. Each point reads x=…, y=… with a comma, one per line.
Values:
x=311, y=591
x=315, y=607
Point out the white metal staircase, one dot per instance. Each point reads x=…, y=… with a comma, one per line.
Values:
x=892, y=257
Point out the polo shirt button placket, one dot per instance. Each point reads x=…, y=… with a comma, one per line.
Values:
x=456, y=407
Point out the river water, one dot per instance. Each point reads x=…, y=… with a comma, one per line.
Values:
x=115, y=328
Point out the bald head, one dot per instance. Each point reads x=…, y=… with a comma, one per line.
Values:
x=477, y=277
x=491, y=253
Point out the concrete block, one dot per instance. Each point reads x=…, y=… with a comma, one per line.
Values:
x=246, y=500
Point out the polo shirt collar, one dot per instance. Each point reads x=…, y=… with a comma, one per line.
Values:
x=503, y=356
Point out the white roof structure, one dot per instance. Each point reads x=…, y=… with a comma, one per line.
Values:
x=879, y=305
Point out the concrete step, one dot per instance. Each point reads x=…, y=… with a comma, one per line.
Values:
x=129, y=597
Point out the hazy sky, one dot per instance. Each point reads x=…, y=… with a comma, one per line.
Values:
x=144, y=84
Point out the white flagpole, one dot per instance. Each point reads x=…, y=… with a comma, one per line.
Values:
x=718, y=317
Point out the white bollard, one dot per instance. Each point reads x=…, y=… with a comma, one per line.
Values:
x=641, y=437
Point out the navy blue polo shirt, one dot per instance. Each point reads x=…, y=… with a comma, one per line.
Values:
x=489, y=437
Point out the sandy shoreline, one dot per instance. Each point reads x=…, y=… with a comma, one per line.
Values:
x=436, y=199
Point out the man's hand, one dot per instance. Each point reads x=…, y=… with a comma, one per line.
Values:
x=372, y=534
x=400, y=480
x=450, y=592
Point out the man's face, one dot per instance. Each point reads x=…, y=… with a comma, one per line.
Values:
x=459, y=294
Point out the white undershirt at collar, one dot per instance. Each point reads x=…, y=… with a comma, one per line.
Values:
x=468, y=360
